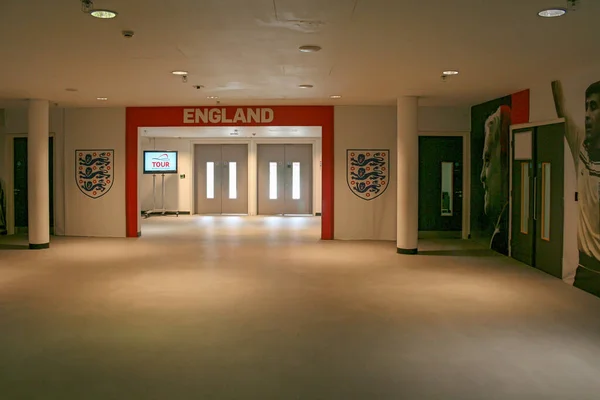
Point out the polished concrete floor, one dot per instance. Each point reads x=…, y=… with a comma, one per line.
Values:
x=259, y=308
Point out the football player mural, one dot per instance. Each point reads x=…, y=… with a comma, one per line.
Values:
x=583, y=138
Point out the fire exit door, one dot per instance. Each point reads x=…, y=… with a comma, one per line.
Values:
x=221, y=178
x=538, y=197
x=285, y=179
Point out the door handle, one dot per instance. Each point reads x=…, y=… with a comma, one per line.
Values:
x=535, y=198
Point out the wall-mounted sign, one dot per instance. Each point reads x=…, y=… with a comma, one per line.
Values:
x=160, y=162
x=367, y=172
x=94, y=171
x=244, y=115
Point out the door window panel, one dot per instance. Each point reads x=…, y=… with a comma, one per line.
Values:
x=272, y=181
x=546, y=201
x=296, y=181
x=210, y=180
x=233, y=180
x=447, y=188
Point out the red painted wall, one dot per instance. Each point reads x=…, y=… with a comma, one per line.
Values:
x=138, y=117
x=520, y=107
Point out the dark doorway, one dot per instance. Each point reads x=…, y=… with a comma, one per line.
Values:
x=440, y=183
x=20, y=182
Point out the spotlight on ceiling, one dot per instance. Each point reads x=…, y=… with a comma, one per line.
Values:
x=178, y=72
x=552, y=12
x=450, y=72
x=103, y=14
x=102, y=98
x=309, y=48
x=305, y=86
x=335, y=96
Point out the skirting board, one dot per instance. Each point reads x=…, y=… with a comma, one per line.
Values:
x=166, y=213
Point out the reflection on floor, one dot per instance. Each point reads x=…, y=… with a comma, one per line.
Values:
x=259, y=308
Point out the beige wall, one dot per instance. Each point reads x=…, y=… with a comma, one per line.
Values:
x=89, y=128
x=16, y=125
x=375, y=127
x=444, y=119
x=95, y=128
x=364, y=127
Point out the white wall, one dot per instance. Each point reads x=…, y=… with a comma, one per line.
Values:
x=375, y=127
x=444, y=119
x=364, y=127
x=95, y=128
x=177, y=191
x=16, y=125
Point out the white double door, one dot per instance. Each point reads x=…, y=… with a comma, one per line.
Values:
x=221, y=178
x=284, y=179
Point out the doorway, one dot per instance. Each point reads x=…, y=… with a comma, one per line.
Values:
x=20, y=179
x=285, y=179
x=441, y=184
x=538, y=197
x=221, y=172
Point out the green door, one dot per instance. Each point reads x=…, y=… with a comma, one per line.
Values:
x=549, y=207
x=20, y=181
x=440, y=183
x=523, y=227
x=538, y=197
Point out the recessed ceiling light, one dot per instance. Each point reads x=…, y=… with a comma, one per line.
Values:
x=212, y=97
x=450, y=72
x=335, y=96
x=552, y=12
x=309, y=48
x=305, y=86
x=103, y=14
x=179, y=72
x=102, y=98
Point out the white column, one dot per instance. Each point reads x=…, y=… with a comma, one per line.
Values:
x=408, y=176
x=37, y=175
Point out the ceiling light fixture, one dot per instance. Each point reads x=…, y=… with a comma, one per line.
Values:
x=103, y=14
x=212, y=97
x=552, y=12
x=102, y=98
x=450, y=72
x=335, y=96
x=179, y=72
x=305, y=86
x=309, y=48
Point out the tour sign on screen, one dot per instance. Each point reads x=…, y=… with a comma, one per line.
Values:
x=160, y=162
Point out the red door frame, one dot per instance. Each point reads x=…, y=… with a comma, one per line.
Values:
x=146, y=117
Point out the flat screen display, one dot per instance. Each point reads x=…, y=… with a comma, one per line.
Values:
x=160, y=162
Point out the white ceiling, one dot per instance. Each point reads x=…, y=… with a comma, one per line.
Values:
x=245, y=51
